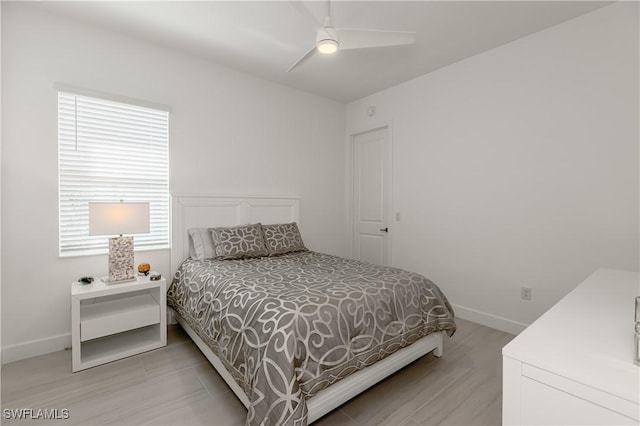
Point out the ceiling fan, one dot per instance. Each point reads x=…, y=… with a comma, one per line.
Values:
x=330, y=39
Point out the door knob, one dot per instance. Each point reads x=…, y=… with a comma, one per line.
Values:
x=385, y=229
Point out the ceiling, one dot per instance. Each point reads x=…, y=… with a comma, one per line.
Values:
x=265, y=38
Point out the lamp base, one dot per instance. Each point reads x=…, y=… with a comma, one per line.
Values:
x=121, y=260
x=109, y=282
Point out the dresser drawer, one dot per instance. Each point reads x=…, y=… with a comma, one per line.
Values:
x=545, y=405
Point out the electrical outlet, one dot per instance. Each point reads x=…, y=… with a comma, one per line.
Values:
x=525, y=293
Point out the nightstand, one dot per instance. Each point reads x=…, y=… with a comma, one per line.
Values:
x=110, y=322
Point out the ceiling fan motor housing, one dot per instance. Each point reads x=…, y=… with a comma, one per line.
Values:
x=327, y=40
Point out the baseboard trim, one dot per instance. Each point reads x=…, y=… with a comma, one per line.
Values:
x=35, y=347
x=489, y=320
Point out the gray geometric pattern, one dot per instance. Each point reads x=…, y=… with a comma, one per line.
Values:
x=239, y=242
x=287, y=327
x=283, y=238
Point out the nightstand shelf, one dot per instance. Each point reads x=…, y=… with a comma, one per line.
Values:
x=110, y=322
x=117, y=346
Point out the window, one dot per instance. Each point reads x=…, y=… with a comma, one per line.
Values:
x=110, y=151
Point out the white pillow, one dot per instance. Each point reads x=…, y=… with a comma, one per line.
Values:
x=201, y=244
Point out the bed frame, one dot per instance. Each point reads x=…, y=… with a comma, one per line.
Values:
x=208, y=211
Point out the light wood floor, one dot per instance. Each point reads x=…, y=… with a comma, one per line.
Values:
x=177, y=386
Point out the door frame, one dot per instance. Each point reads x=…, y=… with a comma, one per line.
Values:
x=351, y=134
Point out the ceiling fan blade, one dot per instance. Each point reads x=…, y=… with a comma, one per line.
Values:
x=304, y=59
x=358, y=39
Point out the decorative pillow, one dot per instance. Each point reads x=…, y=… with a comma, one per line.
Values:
x=200, y=244
x=239, y=242
x=283, y=238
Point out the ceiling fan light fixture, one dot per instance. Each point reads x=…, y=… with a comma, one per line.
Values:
x=330, y=39
x=327, y=46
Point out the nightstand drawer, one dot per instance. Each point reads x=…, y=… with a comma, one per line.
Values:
x=116, y=316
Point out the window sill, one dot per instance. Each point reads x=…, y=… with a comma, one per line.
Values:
x=101, y=252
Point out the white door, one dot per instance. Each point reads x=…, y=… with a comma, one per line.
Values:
x=370, y=196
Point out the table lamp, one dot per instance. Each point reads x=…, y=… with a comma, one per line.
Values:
x=118, y=218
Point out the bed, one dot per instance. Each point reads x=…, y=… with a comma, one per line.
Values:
x=296, y=334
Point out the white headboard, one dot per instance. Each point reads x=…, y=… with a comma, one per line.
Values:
x=210, y=211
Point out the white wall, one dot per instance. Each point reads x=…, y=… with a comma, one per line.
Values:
x=229, y=134
x=0, y=183
x=519, y=166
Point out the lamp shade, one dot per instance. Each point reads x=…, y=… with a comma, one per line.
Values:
x=118, y=218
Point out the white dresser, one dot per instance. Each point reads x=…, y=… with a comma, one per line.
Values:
x=574, y=365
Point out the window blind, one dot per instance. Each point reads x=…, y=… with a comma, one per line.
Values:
x=110, y=151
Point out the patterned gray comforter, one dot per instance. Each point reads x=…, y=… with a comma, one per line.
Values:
x=287, y=327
